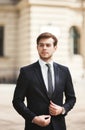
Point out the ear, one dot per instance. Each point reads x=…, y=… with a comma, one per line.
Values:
x=55, y=47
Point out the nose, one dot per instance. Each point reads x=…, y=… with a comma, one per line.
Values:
x=44, y=47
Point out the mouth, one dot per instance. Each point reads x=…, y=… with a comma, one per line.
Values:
x=44, y=52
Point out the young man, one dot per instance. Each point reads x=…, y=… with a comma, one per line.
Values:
x=44, y=88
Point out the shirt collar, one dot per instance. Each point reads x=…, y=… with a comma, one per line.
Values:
x=42, y=63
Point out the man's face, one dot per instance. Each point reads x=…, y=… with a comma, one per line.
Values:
x=46, y=48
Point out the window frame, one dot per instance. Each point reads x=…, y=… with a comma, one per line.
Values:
x=1, y=41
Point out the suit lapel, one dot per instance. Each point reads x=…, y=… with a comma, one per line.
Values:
x=56, y=75
x=39, y=76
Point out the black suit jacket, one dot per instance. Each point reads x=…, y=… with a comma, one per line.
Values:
x=30, y=85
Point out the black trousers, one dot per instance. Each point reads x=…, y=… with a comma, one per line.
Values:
x=35, y=127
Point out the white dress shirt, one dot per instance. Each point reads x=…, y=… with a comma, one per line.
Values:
x=44, y=70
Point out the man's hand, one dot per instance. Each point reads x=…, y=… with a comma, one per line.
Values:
x=42, y=120
x=54, y=109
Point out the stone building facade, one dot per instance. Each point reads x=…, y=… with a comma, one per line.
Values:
x=22, y=20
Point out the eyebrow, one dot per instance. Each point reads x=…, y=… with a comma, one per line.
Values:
x=44, y=43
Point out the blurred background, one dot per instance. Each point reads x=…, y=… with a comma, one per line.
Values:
x=21, y=21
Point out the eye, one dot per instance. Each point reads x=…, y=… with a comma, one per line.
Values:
x=41, y=45
x=48, y=45
x=44, y=45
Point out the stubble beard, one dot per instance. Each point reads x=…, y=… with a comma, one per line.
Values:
x=46, y=59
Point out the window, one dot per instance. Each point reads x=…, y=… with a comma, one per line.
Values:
x=1, y=41
x=74, y=39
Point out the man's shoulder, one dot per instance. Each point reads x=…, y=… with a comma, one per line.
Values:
x=61, y=67
x=30, y=66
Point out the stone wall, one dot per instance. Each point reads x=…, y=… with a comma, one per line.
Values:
x=7, y=63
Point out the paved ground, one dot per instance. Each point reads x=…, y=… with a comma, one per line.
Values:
x=10, y=120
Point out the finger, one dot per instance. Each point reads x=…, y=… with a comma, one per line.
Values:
x=53, y=104
x=47, y=121
x=51, y=110
x=52, y=107
x=47, y=116
x=52, y=113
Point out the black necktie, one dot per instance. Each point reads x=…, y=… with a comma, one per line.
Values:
x=50, y=85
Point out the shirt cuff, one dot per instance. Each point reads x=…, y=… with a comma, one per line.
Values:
x=63, y=110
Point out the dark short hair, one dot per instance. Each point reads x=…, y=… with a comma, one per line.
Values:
x=47, y=35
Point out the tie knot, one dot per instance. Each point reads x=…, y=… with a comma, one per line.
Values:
x=48, y=65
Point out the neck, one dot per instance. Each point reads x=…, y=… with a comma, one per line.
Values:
x=46, y=60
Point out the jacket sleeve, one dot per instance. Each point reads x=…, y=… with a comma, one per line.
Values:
x=19, y=97
x=70, y=98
